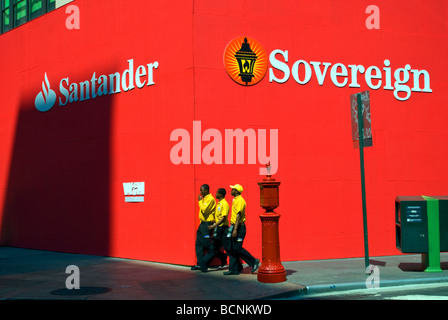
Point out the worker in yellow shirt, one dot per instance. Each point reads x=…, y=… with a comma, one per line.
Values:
x=207, y=205
x=238, y=233
x=219, y=228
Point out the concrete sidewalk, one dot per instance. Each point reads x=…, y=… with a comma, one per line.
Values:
x=35, y=274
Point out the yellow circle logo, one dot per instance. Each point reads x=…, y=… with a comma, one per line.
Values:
x=245, y=61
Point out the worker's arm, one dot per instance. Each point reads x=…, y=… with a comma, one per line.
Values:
x=213, y=226
x=237, y=223
x=206, y=207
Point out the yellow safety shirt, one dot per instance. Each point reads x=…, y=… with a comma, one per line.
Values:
x=207, y=208
x=222, y=210
x=238, y=204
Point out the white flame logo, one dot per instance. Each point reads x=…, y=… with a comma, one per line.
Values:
x=46, y=98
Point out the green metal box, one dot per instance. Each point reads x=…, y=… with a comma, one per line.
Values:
x=411, y=223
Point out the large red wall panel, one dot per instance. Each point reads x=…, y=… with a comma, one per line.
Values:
x=62, y=171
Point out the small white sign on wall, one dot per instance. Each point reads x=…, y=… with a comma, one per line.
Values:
x=134, y=191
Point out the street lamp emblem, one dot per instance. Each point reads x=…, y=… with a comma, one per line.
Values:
x=245, y=61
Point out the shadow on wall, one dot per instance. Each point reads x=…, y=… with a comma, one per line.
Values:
x=57, y=196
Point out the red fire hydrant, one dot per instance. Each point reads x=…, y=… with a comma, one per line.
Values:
x=271, y=269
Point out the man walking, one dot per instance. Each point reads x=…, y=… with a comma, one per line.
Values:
x=219, y=229
x=207, y=205
x=238, y=234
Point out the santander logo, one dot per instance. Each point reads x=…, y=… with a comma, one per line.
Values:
x=46, y=98
x=97, y=85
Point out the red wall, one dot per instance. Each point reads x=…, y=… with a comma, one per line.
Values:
x=61, y=171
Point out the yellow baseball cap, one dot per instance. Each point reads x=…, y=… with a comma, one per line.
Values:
x=238, y=187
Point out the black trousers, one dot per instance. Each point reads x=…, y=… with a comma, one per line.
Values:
x=203, y=242
x=235, y=250
x=215, y=248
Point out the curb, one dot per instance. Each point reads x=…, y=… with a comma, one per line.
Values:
x=361, y=285
x=326, y=288
x=288, y=295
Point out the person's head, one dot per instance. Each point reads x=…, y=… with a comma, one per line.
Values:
x=221, y=193
x=236, y=190
x=204, y=190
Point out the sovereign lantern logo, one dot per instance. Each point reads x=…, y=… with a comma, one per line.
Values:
x=245, y=61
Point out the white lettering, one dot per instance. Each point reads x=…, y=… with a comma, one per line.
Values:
x=204, y=311
x=63, y=91
x=339, y=74
x=273, y=151
x=373, y=280
x=151, y=67
x=93, y=82
x=73, y=92
x=128, y=72
x=196, y=142
x=279, y=66
x=319, y=75
x=354, y=73
x=72, y=281
x=107, y=84
x=245, y=309
x=183, y=146
x=295, y=71
x=212, y=153
x=115, y=76
x=72, y=22
x=399, y=83
x=141, y=71
x=214, y=147
x=102, y=90
x=239, y=135
x=84, y=88
x=417, y=74
x=369, y=77
x=388, y=77
x=373, y=21
x=334, y=74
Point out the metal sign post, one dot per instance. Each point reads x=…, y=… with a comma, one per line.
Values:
x=362, y=137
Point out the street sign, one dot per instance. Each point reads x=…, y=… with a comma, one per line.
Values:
x=362, y=126
x=366, y=123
